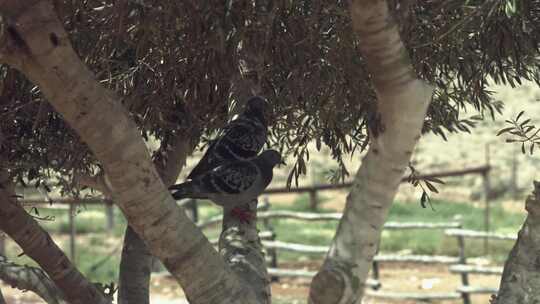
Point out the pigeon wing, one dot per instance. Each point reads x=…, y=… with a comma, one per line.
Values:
x=207, y=162
x=245, y=140
x=230, y=179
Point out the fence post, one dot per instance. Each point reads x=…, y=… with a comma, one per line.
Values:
x=72, y=231
x=487, y=190
x=375, y=272
x=463, y=260
x=313, y=202
x=109, y=211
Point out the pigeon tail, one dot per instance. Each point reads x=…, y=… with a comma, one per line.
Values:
x=186, y=190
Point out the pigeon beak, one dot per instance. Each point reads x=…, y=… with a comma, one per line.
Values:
x=282, y=163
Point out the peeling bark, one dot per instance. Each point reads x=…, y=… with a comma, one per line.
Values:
x=402, y=105
x=521, y=275
x=38, y=245
x=37, y=44
x=30, y=278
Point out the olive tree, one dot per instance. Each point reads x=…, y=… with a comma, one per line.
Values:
x=85, y=83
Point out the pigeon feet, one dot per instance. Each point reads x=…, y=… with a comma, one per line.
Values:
x=243, y=215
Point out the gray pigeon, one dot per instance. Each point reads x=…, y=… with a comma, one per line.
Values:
x=231, y=184
x=242, y=139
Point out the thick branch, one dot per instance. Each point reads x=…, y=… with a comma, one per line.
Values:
x=30, y=278
x=521, y=275
x=38, y=245
x=48, y=59
x=136, y=262
x=403, y=102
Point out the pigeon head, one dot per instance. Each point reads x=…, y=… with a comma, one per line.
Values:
x=256, y=107
x=271, y=158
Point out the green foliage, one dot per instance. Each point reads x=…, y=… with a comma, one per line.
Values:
x=523, y=132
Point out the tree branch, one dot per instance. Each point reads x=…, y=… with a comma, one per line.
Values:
x=402, y=105
x=96, y=114
x=38, y=245
x=30, y=278
x=136, y=261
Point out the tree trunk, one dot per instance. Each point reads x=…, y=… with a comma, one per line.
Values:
x=403, y=102
x=26, y=278
x=136, y=261
x=38, y=245
x=37, y=44
x=521, y=275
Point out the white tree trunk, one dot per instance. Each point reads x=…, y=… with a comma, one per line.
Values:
x=402, y=105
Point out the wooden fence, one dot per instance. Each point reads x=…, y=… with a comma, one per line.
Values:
x=58, y=203
x=457, y=264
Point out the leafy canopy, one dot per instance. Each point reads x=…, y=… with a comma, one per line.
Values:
x=176, y=66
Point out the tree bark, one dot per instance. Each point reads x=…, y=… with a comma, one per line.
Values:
x=241, y=247
x=136, y=261
x=30, y=278
x=521, y=275
x=37, y=44
x=38, y=245
x=402, y=105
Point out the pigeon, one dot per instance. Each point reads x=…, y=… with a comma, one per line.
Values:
x=242, y=139
x=232, y=184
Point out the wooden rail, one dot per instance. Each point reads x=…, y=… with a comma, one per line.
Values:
x=414, y=296
x=310, y=274
x=311, y=216
x=480, y=234
x=475, y=269
x=457, y=264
